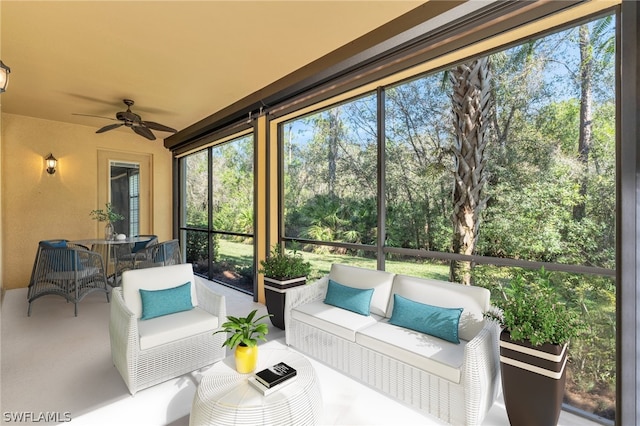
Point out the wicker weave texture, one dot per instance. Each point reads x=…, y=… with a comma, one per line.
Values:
x=224, y=396
x=141, y=369
x=71, y=272
x=464, y=403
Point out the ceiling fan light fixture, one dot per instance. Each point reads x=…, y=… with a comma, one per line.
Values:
x=4, y=76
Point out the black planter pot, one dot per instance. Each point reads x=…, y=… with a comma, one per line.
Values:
x=275, y=292
x=533, y=381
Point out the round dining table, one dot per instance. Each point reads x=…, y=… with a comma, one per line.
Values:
x=107, y=249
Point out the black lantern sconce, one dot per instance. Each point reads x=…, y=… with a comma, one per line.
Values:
x=51, y=163
x=4, y=77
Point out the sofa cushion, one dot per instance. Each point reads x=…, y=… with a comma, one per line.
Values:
x=433, y=320
x=168, y=328
x=356, y=277
x=156, y=303
x=419, y=350
x=350, y=298
x=473, y=300
x=333, y=320
x=159, y=278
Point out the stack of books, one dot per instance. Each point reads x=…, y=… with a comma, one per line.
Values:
x=273, y=378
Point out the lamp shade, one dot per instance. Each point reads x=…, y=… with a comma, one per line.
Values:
x=4, y=77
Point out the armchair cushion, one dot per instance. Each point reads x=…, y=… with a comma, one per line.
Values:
x=54, y=243
x=154, y=279
x=170, y=328
x=156, y=303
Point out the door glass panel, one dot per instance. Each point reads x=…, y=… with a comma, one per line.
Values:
x=125, y=196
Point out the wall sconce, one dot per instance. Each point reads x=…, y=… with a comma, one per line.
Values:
x=4, y=77
x=51, y=163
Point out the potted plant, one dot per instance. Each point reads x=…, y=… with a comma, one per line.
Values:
x=109, y=216
x=282, y=271
x=243, y=335
x=537, y=328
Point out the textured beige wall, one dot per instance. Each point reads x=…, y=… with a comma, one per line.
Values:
x=38, y=206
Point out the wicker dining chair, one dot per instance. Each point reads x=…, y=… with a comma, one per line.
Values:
x=68, y=270
x=162, y=254
x=125, y=254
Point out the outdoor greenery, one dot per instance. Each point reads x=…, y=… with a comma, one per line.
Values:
x=245, y=331
x=510, y=155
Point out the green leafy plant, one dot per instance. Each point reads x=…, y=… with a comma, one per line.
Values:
x=531, y=311
x=106, y=215
x=283, y=266
x=245, y=331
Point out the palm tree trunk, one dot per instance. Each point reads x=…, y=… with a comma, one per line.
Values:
x=471, y=107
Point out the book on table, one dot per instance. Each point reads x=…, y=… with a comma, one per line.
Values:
x=267, y=391
x=275, y=374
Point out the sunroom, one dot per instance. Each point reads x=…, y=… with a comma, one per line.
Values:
x=355, y=159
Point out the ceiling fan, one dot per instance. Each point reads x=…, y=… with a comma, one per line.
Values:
x=134, y=121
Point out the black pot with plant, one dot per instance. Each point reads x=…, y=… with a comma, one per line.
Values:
x=282, y=271
x=243, y=334
x=537, y=328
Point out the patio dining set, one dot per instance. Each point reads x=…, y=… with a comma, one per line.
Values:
x=73, y=269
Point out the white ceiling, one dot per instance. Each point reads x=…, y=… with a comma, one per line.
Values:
x=180, y=61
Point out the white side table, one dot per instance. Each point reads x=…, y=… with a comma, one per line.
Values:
x=224, y=397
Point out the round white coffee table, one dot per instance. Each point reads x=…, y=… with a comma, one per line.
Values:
x=225, y=397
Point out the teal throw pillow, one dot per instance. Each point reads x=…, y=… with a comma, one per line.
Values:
x=428, y=319
x=156, y=303
x=353, y=299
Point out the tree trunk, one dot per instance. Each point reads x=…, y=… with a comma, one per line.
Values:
x=471, y=106
x=586, y=100
x=332, y=153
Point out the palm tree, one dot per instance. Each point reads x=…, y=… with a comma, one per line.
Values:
x=471, y=107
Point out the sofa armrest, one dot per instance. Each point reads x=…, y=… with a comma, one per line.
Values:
x=211, y=301
x=480, y=371
x=303, y=294
x=123, y=331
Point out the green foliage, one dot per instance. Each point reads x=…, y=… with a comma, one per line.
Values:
x=106, y=215
x=531, y=311
x=197, y=248
x=283, y=266
x=245, y=331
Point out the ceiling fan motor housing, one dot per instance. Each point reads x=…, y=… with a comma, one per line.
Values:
x=128, y=117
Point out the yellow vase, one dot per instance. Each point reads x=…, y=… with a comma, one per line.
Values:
x=246, y=358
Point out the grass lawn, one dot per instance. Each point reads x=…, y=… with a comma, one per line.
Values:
x=241, y=255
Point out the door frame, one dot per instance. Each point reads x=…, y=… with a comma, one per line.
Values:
x=145, y=161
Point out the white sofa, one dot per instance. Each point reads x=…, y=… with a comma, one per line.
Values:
x=151, y=351
x=456, y=382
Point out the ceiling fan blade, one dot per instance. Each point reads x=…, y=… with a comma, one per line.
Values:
x=158, y=126
x=108, y=127
x=143, y=131
x=97, y=116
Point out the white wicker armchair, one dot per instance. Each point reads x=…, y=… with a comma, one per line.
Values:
x=171, y=345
